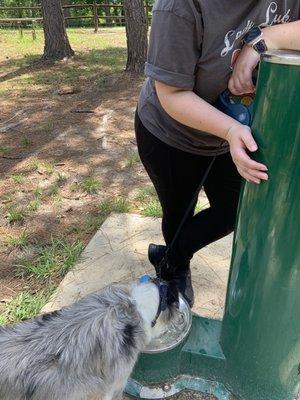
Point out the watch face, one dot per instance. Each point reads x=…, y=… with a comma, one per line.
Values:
x=260, y=47
x=252, y=35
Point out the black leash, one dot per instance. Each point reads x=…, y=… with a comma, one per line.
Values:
x=164, y=261
x=191, y=205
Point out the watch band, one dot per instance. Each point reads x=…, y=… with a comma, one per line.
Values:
x=253, y=35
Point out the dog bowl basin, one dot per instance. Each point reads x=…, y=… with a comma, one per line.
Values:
x=176, y=331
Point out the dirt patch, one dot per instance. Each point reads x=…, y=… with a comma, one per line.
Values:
x=50, y=143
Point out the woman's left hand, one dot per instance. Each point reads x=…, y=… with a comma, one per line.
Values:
x=241, y=79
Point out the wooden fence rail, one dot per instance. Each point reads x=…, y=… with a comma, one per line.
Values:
x=17, y=8
x=97, y=11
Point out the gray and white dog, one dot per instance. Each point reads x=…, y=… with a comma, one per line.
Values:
x=84, y=351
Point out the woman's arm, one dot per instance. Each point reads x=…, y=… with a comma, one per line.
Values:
x=285, y=36
x=189, y=109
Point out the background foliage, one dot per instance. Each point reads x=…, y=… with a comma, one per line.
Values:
x=117, y=12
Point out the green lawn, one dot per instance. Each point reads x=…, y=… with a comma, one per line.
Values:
x=103, y=52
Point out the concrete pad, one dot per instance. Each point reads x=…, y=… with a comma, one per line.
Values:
x=118, y=253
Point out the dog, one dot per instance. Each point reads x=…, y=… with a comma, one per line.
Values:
x=85, y=351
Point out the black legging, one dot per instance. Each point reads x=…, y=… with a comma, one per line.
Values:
x=176, y=175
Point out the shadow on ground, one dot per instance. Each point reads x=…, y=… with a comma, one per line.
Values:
x=86, y=133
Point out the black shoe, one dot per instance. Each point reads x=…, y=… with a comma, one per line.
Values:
x=182, y=280
x=156, y=253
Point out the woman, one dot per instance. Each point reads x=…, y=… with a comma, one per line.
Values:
x=194, y=45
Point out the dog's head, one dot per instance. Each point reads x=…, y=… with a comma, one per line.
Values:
x=157, y=302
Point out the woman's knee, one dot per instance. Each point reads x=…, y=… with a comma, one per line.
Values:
x=227, y=217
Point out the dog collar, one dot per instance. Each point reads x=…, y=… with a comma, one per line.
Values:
x=163, y=288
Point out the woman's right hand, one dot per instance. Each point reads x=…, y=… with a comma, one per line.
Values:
x=240, y=140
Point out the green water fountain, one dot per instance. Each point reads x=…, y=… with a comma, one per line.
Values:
x=254, y=353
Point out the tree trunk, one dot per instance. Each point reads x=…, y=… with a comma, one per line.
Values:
x=136, y=32
x=57, y=46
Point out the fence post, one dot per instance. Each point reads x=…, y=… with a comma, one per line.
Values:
x=96, y=18
x=33, y=30
x=122, y=20
x=19, y=23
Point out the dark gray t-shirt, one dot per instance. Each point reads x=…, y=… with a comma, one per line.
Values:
x=192, y=45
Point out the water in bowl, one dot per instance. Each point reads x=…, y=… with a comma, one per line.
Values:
x=175, y=332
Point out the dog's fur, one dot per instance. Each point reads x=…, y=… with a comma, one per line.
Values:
x=84, y=351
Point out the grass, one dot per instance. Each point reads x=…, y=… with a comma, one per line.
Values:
x=53, y=191
x=91, y=225
x=19, y=178
x=152, y=209
x=45, y=126
x=75, y=229
x=118, y=205
x=25, y=141
x=25, y=305
x=7, y=197
x=53, y=260
x=37, y=193
x=20, y=241
x=149, y=204
x=49, y=168
x=146, y=193
x=96, y=57
x=74, y=187
x=132, y=160
x=61, y=178
x=4, y=150
x=90, y=185
x=199, y=207
x=34, y=205
x=33, y=165
x=16, y=215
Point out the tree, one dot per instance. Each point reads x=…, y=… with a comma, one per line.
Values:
x=57, y=46
x=136, y=32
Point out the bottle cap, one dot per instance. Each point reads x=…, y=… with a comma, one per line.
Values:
x=145, y=279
